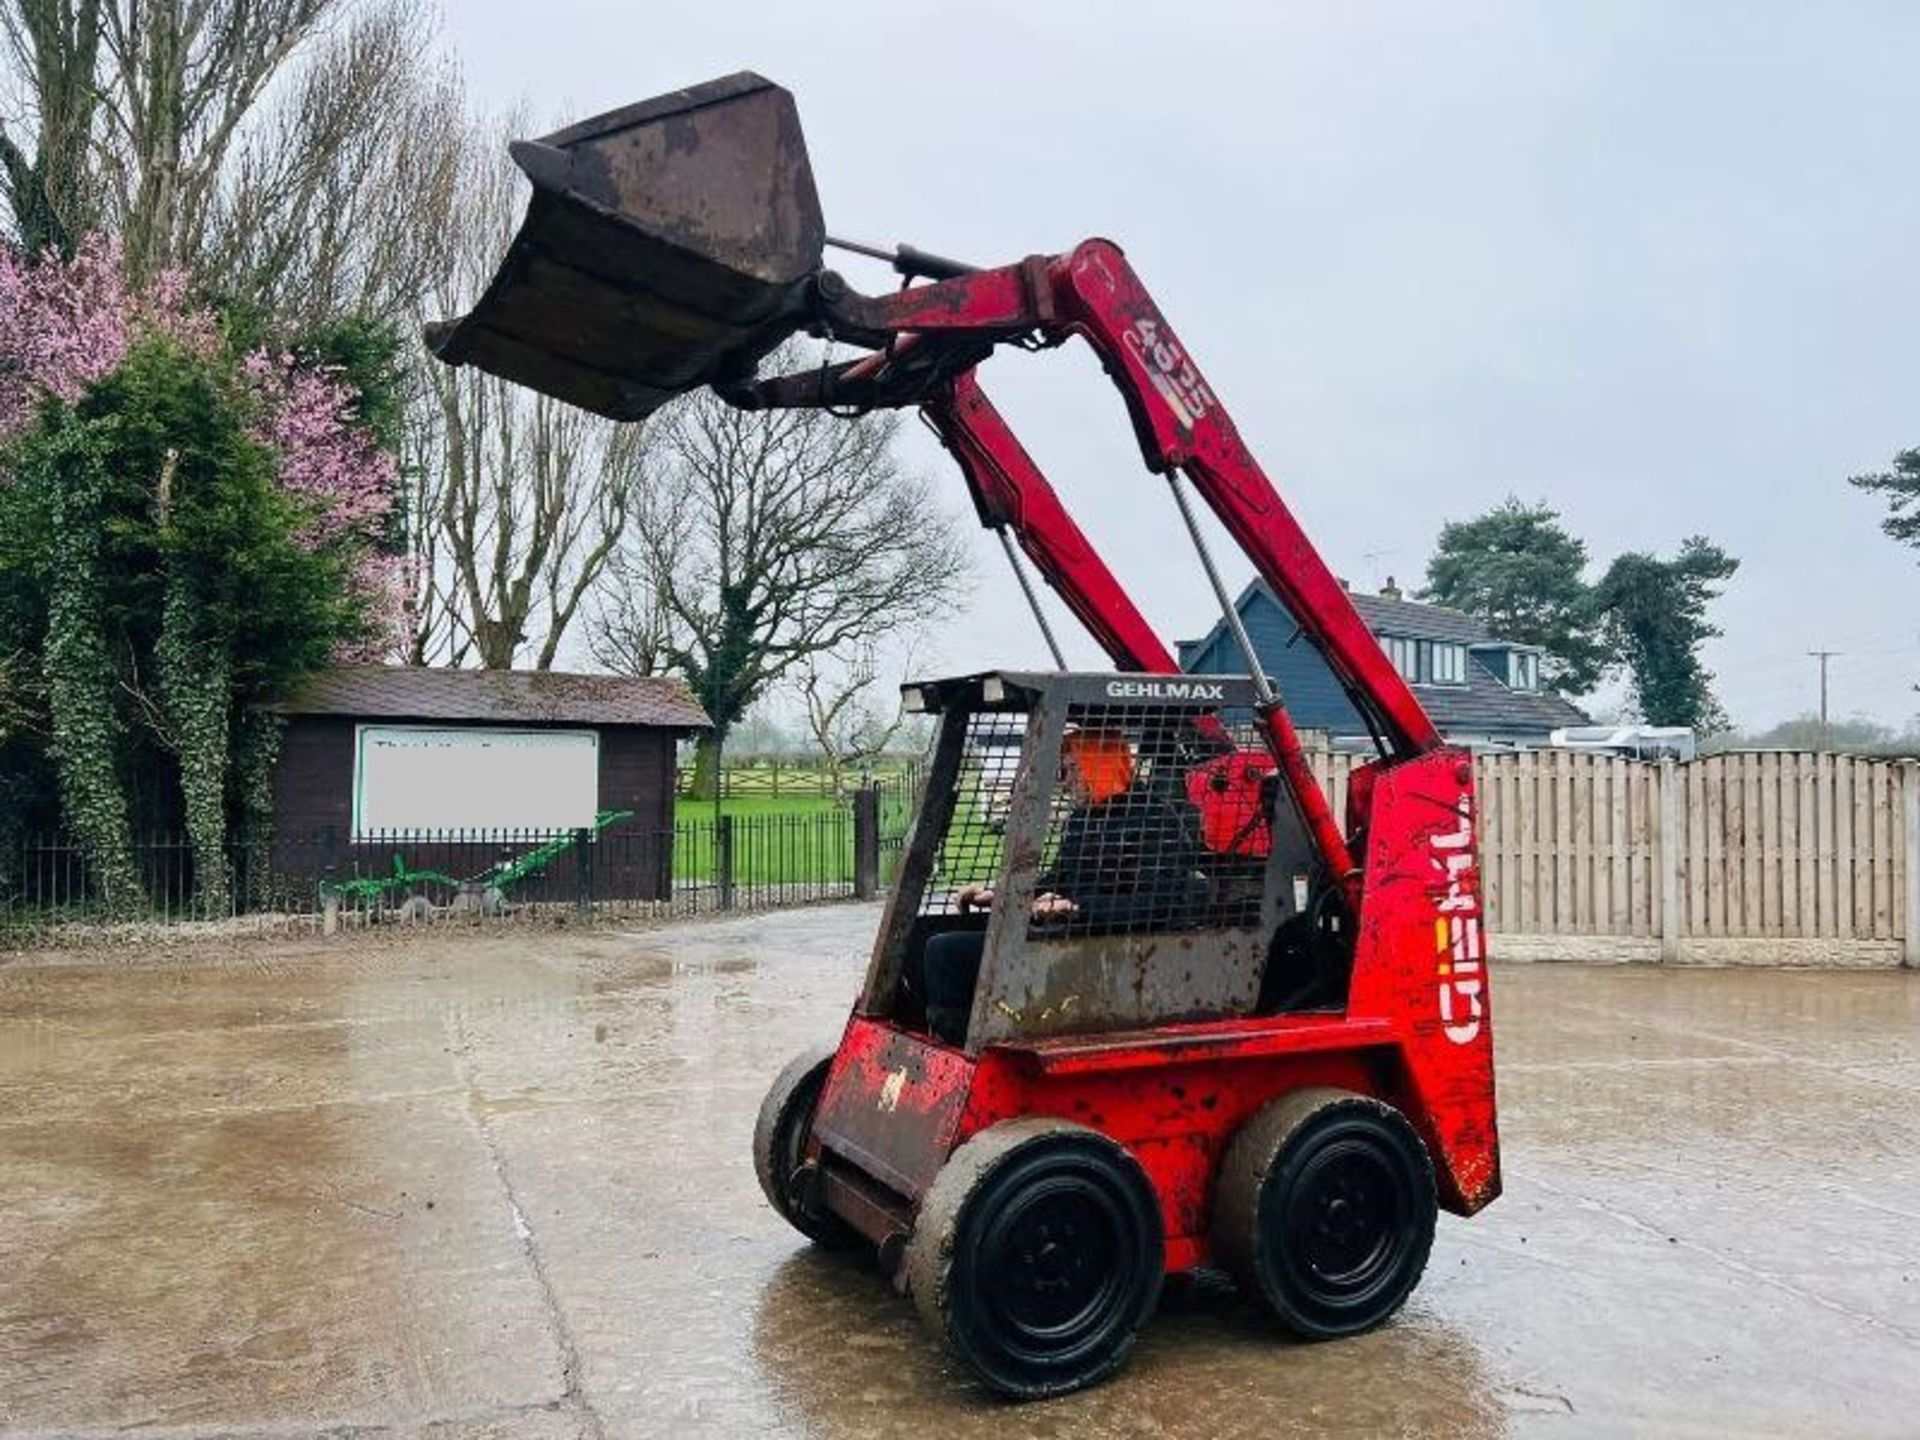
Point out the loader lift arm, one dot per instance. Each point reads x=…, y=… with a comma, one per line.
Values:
x=929, y=338
x=1010, y=493
x=928, y=334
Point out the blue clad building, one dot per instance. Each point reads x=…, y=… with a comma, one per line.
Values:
x=1480, y=689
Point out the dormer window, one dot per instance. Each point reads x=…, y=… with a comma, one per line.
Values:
x=1523, y=670
x=1427, y=662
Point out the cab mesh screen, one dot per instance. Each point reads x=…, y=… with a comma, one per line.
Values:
x=1153, y=828
x=969, y=853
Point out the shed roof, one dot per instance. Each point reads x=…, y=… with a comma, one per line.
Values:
x=411, y=692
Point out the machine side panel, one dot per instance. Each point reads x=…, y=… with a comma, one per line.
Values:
x=917, y=859
x=1420, y=960
x=891, y=1105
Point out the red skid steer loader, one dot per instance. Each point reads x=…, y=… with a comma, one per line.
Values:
x=1140, y=1002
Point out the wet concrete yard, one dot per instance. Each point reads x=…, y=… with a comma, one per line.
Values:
x=498, y=1184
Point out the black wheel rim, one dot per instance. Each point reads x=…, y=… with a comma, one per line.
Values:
x=1057, y=1263
x=786, y=1152
x=790, y=1144
x=1346, y=1221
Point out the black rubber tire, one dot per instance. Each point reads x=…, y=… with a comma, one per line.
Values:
x=1037, y=1255
x=779, y=1136
x=1324, y=1211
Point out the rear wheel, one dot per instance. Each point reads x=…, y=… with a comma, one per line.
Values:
x=1037, y=1255
x=779, y=1147
x=1325, y=1210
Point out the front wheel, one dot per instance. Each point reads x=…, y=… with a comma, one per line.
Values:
x=779, y=1147
x=1037, y=1255
x=1325, y=1211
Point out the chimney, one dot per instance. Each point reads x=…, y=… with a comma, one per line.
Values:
x=1389, y=591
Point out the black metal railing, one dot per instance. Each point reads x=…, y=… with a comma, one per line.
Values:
x=700, y=864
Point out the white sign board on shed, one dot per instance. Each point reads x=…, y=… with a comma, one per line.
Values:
x=411, y=779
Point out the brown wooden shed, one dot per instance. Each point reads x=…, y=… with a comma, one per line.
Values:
x=459, y=771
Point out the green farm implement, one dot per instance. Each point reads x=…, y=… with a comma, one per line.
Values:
x=408, y=891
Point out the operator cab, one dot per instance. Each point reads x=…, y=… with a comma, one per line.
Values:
x=1123, y=850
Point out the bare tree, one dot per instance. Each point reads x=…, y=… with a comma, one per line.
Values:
x=288, y=152
x=849, y=723
x=52, y=48
x=532, y=499
x=632, y=620
x=180, y=78
x=779, y=536
x=765, y=731
x=520, y=501
x=139, y=102
x=340, y=197
x=435, y=637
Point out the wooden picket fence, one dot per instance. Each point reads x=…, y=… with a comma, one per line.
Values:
x=1762, y=857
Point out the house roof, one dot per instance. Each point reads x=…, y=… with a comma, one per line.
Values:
x=411, y=692
x=1484, y=705
x=1417, y=621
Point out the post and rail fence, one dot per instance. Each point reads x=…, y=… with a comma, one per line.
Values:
x=799, y=778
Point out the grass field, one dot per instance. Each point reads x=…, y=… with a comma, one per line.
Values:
x=690, y=811
x=771, y=849
x=894, y=808
x=799, y=840
x=788, y=840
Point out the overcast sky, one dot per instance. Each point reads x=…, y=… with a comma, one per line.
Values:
x=1657, y=264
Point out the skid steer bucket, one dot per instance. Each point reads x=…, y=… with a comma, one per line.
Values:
x=667, y=245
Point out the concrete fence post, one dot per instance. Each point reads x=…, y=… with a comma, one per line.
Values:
x=1672, y=837
x=1911, y=794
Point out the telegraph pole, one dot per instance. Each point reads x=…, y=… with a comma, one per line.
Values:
x=1823, y=656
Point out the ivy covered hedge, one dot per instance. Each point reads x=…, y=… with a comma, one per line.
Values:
x=187, y=527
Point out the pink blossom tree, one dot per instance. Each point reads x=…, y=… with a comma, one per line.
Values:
x=129, y=462
x=344, y=481
x=65, y=325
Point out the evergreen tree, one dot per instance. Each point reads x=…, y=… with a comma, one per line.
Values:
x=1519, y=569
x=1653, y=613
x=1900, y=487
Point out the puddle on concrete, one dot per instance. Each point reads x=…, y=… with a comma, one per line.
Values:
x=842, y=1354
x=506, y=1179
